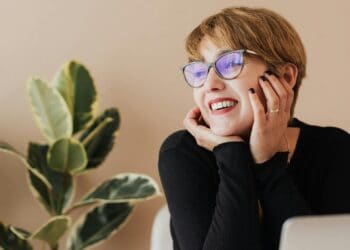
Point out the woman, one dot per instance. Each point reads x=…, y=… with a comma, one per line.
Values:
x=244, y=164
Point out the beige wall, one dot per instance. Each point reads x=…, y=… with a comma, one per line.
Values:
x=134, y=50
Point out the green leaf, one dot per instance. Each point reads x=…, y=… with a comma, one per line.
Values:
x=98, y=224
x=50, y=110
x=7, y=148
x=126, y=187
x=58, y=198
x=21, y=233
x=67, y=155
x=52, y=231
x=76, y=86
x=12, y=241
x=98, y=139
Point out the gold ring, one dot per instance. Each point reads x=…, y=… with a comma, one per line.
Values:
x=274, y=110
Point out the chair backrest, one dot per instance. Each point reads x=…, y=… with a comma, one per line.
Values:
x=316, y=233
x=160, y=235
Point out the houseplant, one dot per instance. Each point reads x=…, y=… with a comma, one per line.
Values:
x=77, y=141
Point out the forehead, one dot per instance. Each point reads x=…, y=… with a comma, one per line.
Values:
x=210, y=50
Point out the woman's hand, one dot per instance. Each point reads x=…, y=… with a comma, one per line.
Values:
x=269, y=128
x=203, y=135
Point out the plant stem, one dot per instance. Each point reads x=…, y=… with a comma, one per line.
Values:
x=55, y=247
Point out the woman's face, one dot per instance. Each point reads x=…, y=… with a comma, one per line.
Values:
x=236, y=120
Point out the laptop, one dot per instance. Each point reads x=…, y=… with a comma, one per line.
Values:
x=321, y=232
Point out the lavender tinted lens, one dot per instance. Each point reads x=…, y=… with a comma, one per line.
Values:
x=229, y=65
x=195, y=73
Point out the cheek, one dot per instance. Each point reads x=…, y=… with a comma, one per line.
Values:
x=197, y=98
x=244, y=90
x=199, y=101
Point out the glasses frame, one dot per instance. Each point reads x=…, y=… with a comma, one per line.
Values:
x=213, y=65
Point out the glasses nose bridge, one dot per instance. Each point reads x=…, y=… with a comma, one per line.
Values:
x=212, y=65
x=211, y=82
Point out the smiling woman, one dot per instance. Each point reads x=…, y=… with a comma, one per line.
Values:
x=244, y=164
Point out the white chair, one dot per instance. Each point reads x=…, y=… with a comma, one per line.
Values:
x=160, y=235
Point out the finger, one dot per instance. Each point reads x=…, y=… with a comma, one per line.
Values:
x=191, y=121
x=258, y=108
x=278, y=88
x=192, y=116
x=194, y=113
x=290, y=93
x=271, y=96
x=190, y=126
x=201, y=133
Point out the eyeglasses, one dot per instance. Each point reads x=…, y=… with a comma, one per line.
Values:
x=227, y=66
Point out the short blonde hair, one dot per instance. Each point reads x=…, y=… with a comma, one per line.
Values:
x=264, y=31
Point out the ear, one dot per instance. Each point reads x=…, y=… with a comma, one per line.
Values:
x=289, y=72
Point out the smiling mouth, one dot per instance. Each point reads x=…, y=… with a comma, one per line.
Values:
x=222, y=105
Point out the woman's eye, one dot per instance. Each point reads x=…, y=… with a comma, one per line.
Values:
x=199, y=73
x=230, y=65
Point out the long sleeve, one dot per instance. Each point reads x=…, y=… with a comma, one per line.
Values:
x=203, y=217
x=211, y=214
x=323, y=171
x=280, y=198
x=335, y=194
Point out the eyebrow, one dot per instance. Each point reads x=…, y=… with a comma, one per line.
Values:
x=221, y=52
x=218, y=54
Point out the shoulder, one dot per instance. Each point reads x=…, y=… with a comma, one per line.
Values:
x=326, y=134
x=180, y=139
x=330, y=135
x=327, y=143
x=338, y=143
x=337, y=135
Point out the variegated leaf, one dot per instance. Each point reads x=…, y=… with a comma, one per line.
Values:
x=12, y=241
x=98, y=139
x=7, y=148
x=52, y=231
x=100, y=223
x=58, y=198
x=126, y=187
x=50, y=110
x=67, y=155
x=76, y=86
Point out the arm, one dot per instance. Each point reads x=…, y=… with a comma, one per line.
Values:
x=279, y=197
x=204, y=218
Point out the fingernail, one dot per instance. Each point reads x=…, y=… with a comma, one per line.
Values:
x=263, y=78
x=269, y=72
x=251, y=90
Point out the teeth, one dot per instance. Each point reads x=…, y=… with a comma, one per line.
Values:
x=220, y=105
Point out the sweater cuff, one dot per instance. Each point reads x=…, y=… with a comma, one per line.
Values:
x=277, y=163
x=234, y=157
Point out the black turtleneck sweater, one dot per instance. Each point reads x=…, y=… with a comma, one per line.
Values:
x=213, y=196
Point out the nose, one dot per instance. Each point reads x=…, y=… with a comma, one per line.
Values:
x=213, y=81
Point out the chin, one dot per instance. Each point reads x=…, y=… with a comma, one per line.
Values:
x=223, y=130
x=227, y=130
